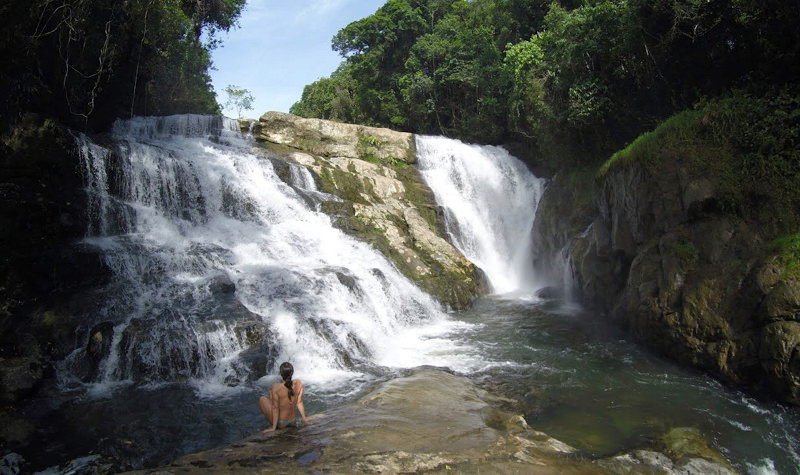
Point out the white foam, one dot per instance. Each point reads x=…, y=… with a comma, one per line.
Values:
x=764, y=466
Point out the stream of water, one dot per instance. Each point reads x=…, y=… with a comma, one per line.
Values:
x=221, y=270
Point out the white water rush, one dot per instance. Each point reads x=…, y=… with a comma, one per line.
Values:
x=218, y=266
x=490, y=200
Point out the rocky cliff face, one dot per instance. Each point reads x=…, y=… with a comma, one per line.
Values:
x=382, y=199
x=42, y=214
x=689, y=278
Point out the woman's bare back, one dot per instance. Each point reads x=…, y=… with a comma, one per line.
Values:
x=286, y=406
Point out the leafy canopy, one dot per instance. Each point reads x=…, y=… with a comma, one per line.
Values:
x=570, y=80
x=86, y=62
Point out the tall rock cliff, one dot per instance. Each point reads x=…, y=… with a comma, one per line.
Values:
x=675, y=254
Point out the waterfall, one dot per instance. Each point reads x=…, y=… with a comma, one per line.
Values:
x=489, y=199
x=221, y=269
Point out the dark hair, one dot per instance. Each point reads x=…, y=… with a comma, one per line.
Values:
x=287, y=370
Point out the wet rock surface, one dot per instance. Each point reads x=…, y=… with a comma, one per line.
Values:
x=433, y=421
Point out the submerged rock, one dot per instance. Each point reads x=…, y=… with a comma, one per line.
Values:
x=550, y=292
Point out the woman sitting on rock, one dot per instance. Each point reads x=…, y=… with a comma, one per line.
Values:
x=283, y=400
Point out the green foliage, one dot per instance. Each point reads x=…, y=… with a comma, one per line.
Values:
x=87, y=63
x=686, y=253
x=422, y=66
x=678, y=134
x=239, y=99
x=369, y=147
x=569, y=80
x=747, y=144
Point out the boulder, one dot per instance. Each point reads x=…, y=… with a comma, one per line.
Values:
x=100, y=338
x=692, y=452
x=549, y=293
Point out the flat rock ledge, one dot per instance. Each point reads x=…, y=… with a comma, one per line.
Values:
x=334, y=139
x=381, y=197
x=435, y=422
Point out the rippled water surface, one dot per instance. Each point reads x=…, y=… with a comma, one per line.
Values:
x=584, y=382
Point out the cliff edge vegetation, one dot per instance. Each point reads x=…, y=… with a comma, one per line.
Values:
x=85, y=63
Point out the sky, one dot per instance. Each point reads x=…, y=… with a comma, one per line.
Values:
x=280, y=47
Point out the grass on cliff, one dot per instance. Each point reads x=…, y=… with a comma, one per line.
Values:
x=787, y=249
x=748, y=146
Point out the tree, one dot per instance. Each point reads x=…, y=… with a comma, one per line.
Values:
x=562, y=78
x=239, y=99
x=211, y=16
x=87, y=63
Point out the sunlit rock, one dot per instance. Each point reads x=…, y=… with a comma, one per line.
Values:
x=381, y=198
x=334, y=139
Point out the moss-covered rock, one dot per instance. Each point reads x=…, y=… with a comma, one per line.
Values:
x=381, y=198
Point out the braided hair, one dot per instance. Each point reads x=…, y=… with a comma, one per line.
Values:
x=287, y=370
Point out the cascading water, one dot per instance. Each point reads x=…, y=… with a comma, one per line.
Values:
x=490, y=201
x=185, y=211
x=221, y=266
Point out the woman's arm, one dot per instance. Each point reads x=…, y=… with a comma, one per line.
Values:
x=300, y=406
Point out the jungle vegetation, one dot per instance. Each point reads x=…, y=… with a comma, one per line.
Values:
x=85, y=63
x=570, y=80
